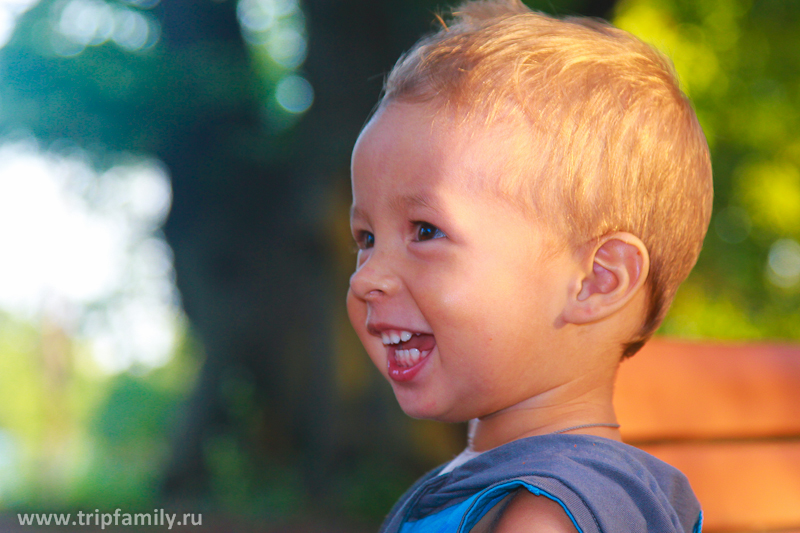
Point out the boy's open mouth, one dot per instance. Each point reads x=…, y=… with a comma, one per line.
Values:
x=406, y=351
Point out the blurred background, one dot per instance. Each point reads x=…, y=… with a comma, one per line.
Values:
x=174, y=244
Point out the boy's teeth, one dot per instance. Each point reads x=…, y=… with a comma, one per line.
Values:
x=409, y=357
x=395, y=337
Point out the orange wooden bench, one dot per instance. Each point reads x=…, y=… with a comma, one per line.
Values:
x=728, y=416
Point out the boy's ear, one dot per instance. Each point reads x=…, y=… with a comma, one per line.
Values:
x=613, y=270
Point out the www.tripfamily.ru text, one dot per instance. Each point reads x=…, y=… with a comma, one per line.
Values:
x=157, y=518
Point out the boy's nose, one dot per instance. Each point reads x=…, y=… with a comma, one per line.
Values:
x=374, y=279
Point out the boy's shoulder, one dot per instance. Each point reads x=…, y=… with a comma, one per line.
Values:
x=603, y=485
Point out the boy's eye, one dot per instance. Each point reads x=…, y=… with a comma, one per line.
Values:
x=365, y=240
x=427, y=232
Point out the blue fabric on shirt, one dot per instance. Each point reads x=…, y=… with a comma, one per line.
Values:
x=605, y=486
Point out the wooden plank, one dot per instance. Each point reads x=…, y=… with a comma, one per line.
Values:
x=742, y=486
x=676, y=390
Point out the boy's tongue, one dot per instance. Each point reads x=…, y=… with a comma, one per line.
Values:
x=407, y=358
x=421, y=342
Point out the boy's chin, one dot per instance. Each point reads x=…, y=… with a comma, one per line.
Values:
x=429, y=410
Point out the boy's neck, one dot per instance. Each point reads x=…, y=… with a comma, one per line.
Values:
x=541, y=415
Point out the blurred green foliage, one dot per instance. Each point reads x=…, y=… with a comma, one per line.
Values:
x=72, y=436
x=739, y=63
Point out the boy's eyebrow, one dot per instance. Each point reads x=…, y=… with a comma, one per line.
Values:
x=399, y=204
x=403, y=203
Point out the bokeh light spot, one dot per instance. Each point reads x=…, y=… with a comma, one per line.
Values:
x=287, y=47
x=131, y=30
x=784, y=263
x=86, y=21
x=256, y=15
x=275, y=30
x=294, y=94
x=83, y=23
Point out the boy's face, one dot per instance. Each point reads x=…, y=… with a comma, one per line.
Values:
x=457, y=294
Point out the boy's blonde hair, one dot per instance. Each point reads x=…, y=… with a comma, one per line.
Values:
x=616, y=145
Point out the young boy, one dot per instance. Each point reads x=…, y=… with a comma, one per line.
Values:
x=526, y=200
